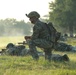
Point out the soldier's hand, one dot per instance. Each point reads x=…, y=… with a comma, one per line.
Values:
x=27, y=37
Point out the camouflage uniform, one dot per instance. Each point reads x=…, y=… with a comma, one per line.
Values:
x=11, y=49
x=40, y=38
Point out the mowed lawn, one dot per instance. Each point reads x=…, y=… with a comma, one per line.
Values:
x=18, y=65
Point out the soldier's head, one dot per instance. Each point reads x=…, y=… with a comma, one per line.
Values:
x=10, y=45
x=33, y=16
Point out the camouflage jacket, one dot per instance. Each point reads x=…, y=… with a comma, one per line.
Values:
x=40, y=31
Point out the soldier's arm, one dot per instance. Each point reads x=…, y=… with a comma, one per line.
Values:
x=36, y=31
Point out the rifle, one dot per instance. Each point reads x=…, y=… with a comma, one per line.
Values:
x=24, y=43
x=26, y=38
x=2, y=51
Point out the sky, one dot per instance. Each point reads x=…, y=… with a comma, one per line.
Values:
x=18, y=8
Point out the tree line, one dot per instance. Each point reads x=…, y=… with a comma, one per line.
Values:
x=12, y=27
x=63, y=14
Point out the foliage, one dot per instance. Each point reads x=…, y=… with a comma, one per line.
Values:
x=12, y=27
x=13, y=65
x=63, y=13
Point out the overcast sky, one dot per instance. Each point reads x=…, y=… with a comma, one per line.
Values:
x=18, y=8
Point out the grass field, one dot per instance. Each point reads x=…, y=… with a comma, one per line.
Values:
x=17, y=65
x=5, y=40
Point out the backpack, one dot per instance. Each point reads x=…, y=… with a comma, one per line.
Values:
x=54, y=34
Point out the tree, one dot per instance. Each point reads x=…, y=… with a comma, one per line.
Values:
x=12, y=27
x=63, y=13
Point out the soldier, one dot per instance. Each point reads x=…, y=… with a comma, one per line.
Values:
x=11, y=49
x=40, y=37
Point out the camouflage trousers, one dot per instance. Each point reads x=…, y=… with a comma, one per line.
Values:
x=42, y=43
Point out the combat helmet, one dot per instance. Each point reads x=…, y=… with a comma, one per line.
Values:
x=10, y=45
x=33, y=14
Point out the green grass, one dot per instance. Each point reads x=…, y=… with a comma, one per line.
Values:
x=13, y=65
x=72, y=41
x=17, y=65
